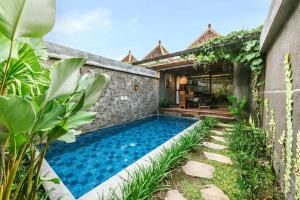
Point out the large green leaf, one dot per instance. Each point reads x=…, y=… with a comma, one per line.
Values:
x=94, y=90
x=57, y=132
x=70, y=136
x=51, y=118
x=16, y=114
x=38, y=45
x=80, y=118
x=5, y=44
x=64, y=76
x=27, y=18
x=27, y=55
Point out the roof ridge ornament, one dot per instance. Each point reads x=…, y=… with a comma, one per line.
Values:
x=129, y=58
x=206, y=35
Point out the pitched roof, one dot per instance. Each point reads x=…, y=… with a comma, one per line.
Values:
x=159, y=50
x=129, y=58
x=209, y=33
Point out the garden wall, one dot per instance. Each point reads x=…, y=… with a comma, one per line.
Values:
x=131, y=93
x=279, y=37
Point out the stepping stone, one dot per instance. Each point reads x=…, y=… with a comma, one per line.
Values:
x=212, y=192
x=214, y=146
x=197, y=169
x=218, y=138
x=226, y=125
x=228, y=129
x=174, y=195
x=218, y=157
x=217, y=132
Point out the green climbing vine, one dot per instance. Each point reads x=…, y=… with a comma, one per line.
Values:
x=240, y=47
x=270, y=129
x=297, y=167
x=289, y=124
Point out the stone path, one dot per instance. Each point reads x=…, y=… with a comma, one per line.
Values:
x=218, y=157
x=203, y=170
x=212, y=192
x=220, y=133
x=197, y=169
x=218, y=138
x=214, y=146
x=225, y=125
x=174, y=195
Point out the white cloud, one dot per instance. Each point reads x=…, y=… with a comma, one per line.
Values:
x=80, y=22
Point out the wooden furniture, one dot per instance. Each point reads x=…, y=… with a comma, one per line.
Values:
x=182, y=99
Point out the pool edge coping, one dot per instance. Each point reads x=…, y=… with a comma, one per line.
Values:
x=60, y=191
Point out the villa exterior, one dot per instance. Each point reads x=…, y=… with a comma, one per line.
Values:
x=192, y=87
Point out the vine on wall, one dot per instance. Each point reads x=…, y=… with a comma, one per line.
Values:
x=270, y=130
x=245, y=51
x=297, y=167
x=289, y=124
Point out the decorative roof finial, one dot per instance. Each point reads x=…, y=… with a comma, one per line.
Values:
x=129, y=51
x=159, y=42
x=209, y=26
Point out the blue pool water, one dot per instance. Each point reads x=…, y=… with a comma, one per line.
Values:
x=98, y=155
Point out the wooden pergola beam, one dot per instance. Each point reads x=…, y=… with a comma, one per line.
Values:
x=195, y=50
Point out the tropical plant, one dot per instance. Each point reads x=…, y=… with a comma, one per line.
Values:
x=38, y=105
x=165, y=103
x=22, y=46
x=238, y=106
x=256, y=179
x=146, y=180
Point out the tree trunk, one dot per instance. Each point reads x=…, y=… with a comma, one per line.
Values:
x=4, y=91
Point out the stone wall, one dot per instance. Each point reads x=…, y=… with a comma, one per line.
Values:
x=113, y=109
x=131, y=93
x=279, y=37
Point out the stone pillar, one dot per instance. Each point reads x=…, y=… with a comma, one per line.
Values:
x=241, y=81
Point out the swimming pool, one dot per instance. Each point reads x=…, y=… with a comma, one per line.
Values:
x=99, y=155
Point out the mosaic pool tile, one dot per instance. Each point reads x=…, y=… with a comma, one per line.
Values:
x=99, y=155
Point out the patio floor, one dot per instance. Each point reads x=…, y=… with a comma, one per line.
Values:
x=219, y=113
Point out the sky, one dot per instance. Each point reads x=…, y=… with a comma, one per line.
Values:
x=111, y=28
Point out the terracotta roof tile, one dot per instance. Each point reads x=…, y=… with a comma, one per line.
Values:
x=208, y=34
x=129, y=58
x=159, y=50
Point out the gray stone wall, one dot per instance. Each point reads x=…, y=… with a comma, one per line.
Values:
x=112, y=108
x=131, y=93
x=284, y=23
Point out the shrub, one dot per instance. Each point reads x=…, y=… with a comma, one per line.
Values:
x=238, y=106
x=256, y=177
x=165, y=103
